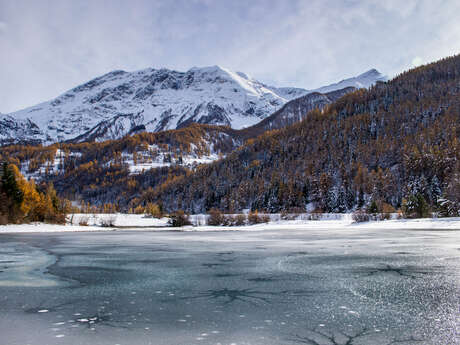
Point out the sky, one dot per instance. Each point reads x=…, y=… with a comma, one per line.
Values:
x=50, y=46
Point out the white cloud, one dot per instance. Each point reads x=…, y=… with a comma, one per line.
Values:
x=54, y=45
x=417, y=61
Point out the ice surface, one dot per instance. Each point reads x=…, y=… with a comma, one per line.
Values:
x=22, y=265
x=336, y=286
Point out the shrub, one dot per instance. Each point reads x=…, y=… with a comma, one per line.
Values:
x=240, y=219
x=83, y=221
x=284, y=215
x=153, y=210
x=58, y=218
x=139, y=209
x=108, y=221
x=360, y=216
x=385, y=211
x=179, y=218
x=232, y=220
x=415, y=206
x=254, y=218
x=383, y=216
x=228, y=220
x=265, y=218
x=387, y=208
x=215, y=217
x=315, y=216
x=288, y=216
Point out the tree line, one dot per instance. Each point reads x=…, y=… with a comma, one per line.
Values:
x=23, y=201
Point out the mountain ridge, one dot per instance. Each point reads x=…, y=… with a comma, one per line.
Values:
x=119, y=103
x=364, y=80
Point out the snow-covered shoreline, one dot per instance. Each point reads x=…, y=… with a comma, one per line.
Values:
x=130, y=222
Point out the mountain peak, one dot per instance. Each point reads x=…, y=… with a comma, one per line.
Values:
x=371, y=72
x=208, y=69
x=119, y=103
x=364, y=80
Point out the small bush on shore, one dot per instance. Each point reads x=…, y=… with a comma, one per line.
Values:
x=315, y=216
x=153, y=210
x=255, y=218
x=240, y=219
x=290, y=216
x=383, y=216
x=109, y=221
x=83, y=221
x=215, y=217
x=229, y=220
x=139, y=209
x=360, y=216
x=265, y=218
x=179, y=218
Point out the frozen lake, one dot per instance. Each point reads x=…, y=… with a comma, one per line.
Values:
x=264, y=287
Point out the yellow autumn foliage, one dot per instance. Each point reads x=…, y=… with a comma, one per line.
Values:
x=37, y=206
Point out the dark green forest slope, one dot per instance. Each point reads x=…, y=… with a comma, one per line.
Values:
x=396, y=140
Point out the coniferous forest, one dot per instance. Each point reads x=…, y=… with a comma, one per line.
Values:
x=393, y=146
x=390, y=144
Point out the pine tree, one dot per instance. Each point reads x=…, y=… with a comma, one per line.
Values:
x=12, y=194
x=10, y=186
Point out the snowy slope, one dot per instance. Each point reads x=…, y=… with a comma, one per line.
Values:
x=364, y=80
x=296, y=110
x=188, y=147
x=121, y=103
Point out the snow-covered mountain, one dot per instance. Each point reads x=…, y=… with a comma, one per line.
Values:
x=295, y=111
x=364, y=80
x=121, y=103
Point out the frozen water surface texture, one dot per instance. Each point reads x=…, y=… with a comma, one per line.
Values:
x=318, y=287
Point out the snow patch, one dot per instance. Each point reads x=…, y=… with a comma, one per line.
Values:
x=330, y=222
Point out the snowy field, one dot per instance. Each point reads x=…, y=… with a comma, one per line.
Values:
x=113, y=222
